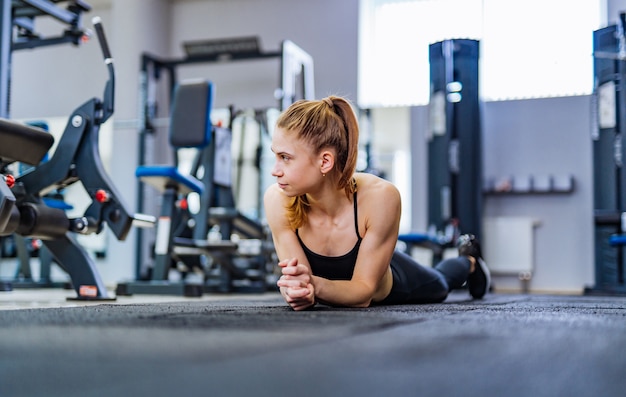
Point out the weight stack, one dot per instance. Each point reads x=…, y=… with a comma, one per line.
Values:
x=455, y=143
x=608, y=154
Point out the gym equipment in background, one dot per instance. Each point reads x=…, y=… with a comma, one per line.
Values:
x=252, y=157
x=183, y=238
x=76, y=159
x=20, y=16
x=455, y=179
x=609, y=150
x=17, y=32
x=295, y=82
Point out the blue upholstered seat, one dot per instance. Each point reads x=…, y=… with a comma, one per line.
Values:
x=164, y=176
x=190, y=127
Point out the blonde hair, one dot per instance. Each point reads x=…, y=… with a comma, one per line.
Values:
x=326, y=123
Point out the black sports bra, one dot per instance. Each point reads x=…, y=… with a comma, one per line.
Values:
x=335, y=267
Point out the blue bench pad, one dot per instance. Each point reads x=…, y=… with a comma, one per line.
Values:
x=162, y=177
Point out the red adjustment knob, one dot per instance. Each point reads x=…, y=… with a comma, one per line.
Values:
x=102, y=196
x=10, y=180
x=183, y=204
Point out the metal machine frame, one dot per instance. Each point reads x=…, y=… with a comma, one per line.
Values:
x=76, y=159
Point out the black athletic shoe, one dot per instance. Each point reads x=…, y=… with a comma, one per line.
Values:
x=479, y=281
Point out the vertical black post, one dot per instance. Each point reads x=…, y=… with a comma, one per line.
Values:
x=468, y=185
x=439, y=183
x=620, y=100
x=455, y=146
x=608, y=154
x=145, y=129
x=165, y=236
x=6, y=40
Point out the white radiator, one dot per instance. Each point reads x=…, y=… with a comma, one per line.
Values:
x=508, y=245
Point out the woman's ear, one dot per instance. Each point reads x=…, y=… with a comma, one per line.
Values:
x=327, y=161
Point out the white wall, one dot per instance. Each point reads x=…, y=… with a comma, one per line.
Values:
x=546, y=137
x=326, y=29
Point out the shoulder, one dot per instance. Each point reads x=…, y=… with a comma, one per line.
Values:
x=379, y=205
x=373, y=187
x=377, y=196
x=272, y=191
x=274, y=198
x=274, y=201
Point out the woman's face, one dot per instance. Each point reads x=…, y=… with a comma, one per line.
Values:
x=296, y=167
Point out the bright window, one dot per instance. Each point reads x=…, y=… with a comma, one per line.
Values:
x=528, y=49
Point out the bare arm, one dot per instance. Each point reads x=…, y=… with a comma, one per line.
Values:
x=382, y=208
x=295, y=283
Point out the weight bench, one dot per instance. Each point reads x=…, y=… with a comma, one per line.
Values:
x=185, y=238
x=190, y=127
x=436, y=243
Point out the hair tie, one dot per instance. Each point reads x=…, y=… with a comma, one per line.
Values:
x=329, y=102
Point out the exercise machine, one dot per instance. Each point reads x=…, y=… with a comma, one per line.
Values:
x=252, y=157
x=186, y=237
x=609, y=150
x=295, y=82
x=455, y=179
x=76, y=159
x=17, y=32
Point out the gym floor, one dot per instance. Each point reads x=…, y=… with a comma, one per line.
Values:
x=242, y=345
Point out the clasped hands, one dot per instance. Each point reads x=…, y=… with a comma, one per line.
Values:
x=296, y=284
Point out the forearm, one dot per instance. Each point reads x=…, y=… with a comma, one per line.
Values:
x=348, y=293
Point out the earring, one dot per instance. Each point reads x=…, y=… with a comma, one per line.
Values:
x=323, y=174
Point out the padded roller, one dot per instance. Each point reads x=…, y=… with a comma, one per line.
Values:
x=162, y=177
x=21, y=142
x=41, y=221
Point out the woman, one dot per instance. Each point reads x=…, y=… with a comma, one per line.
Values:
x=335, y=231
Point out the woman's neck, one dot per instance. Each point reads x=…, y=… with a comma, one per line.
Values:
x=329, y=202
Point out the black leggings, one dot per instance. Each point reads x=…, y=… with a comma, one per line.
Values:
x=414, y=283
